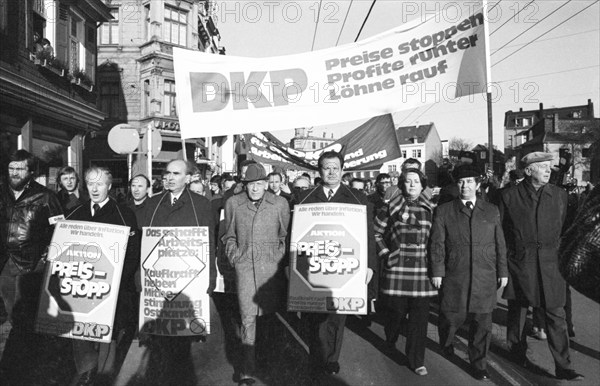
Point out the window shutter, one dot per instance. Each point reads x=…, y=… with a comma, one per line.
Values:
x=62, y=34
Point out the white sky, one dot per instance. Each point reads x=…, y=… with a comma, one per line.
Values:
x=561, y=68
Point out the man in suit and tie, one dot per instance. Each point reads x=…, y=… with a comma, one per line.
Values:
x=328, y=329
x=103, y=209
x=468, y=257
x=170, y=356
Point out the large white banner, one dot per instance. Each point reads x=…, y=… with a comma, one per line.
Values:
x=418, y=63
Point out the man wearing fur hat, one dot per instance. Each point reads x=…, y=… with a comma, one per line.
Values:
x=533, y=214
x=468, y=257
x=256, y=224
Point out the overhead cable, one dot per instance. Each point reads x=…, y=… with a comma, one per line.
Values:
x=536, y=23
x=365, y=21
x=512, y=17
x=494, y=6
x=556, y=37
x=551, y=29
x=344, y=23
x=312, y=47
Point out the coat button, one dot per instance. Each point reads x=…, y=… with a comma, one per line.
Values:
x=539, y=245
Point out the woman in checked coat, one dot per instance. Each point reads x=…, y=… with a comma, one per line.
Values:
x=402, y=232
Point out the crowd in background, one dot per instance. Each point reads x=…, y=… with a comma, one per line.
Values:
x=416, y=233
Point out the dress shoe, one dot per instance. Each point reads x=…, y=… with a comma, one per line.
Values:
x=87, y=378
x=332, y=368
x=448, y=352
x=519, y=357
x=390, y=345
x=568, y=374
x=422, y=371
x=246, y=382
x=539, y=333
x=481, y=375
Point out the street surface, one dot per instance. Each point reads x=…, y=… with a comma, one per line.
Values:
x=365, y=359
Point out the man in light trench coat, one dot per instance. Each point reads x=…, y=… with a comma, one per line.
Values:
x=256, y=224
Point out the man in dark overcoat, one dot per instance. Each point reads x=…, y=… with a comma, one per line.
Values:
x=170, y=356
x=533, y=214
x=468, y=257
x=328, y=329
x=256, y=225
x=103, y=209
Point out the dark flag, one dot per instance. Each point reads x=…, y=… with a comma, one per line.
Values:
x=365, y=148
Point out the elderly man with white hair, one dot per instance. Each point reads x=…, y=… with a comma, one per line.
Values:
x=533, y=214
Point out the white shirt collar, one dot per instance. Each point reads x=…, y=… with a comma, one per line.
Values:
x=92, y=203
x=173, y=195
x=326, y=190
x=474, y=200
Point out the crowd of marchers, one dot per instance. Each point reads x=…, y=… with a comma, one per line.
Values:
x=457, y=245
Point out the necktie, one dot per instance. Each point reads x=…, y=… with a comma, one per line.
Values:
x=470, y=205
x=96, y=209
x=174, y=200
x=330, y=194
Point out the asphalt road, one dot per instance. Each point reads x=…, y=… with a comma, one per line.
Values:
x=365, y=360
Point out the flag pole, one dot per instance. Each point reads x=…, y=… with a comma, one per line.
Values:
x=488, y=76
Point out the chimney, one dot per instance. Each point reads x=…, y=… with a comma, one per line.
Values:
x=555, y=123
x=520, y=109
x=590, y=108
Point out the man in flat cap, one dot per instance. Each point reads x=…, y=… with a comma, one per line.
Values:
x=468, y=258
x=256, y=224
x=533, y=214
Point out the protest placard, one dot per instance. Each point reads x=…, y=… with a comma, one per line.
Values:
x=328, y=259
x=175, y=278
x=81, y=280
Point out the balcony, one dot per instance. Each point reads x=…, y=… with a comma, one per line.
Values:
x=48, y=63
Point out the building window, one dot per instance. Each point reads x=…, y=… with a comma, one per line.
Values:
x=416, y=153
x=586, y=152
x=110, y=101
x=175, y=26
x=403, y=153
x=169, y=106
x=482, y=155
x=109, y=31
x=314, y=145
x=391, y=168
